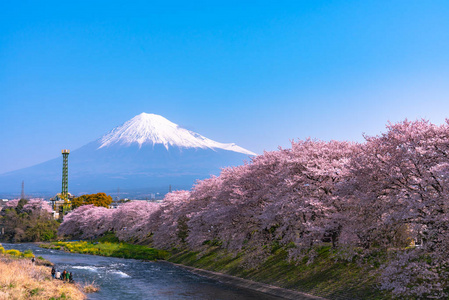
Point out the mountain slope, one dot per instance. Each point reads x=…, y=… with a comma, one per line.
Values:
x=145, y=154
x=154, y=129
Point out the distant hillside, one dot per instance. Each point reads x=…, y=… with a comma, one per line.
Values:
x=144, y=155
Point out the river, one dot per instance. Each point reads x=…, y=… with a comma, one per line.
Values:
x=120, y=278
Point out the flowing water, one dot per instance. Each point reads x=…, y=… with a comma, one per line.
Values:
x=133, y=279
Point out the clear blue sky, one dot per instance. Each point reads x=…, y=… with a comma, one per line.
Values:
x=257, y=73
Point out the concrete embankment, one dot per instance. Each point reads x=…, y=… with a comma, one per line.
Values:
x=249, y=284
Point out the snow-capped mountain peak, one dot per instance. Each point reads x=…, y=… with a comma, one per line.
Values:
x=154, y=129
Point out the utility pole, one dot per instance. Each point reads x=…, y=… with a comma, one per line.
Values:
x=22, y=195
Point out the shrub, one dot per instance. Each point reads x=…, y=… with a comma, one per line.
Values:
x=13, y=252
x=27, y=254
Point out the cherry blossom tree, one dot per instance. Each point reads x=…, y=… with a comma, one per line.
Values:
x=96, y=221
x=37, y=206
x=303, y=208
x=87, y=221
x=400, y=179
x=172, y=231
x=130, y=220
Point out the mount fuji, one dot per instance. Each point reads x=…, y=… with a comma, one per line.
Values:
x=144, y=155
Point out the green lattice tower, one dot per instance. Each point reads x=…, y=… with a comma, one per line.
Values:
x=65, y=173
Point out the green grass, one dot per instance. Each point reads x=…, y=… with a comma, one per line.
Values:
x=122, y=250
x=50, y=246
x=325, y=276
x=108, y=237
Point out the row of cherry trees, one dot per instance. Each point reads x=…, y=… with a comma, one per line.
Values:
x=381, y=194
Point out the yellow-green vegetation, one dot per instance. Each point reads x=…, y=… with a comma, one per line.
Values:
x=17, y=253
x=13, y=252
x=123, y=250
x=327, y=275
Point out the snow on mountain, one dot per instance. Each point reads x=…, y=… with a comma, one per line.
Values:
x=154, y=129
x=146, y=154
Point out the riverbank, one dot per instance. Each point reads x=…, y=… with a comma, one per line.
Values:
x=21, y=279
x=110, y=249
x=328, y=275
x=249, y=284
